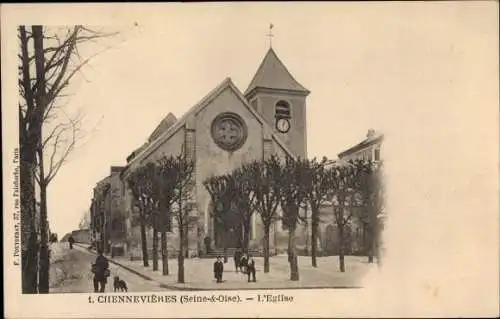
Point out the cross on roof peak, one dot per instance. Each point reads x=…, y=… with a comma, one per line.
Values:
x=270, y=35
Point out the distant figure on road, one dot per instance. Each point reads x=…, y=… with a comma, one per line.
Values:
x=218, y=269
x=71, y=241
x=251, y=268
x=237, y=259
x=101, y=272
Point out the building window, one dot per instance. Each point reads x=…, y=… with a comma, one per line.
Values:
x=377, y=154
x=282, y=110
x=229, y=131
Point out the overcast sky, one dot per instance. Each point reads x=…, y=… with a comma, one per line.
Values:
x=403, y=68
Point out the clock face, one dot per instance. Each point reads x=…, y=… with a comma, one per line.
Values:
x=283, y=125
x=229, y=131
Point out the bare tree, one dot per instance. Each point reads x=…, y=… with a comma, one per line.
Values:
x=342, y=183
x=222, y=193
x=316, y=183
x=267, y=189
x=245, y=201
x=140, y=184
x=174, y=186
x=150, y=201
x=370, y=188
x=183, y=194
x=293, y=198
x=47, y=65
x=164, y=193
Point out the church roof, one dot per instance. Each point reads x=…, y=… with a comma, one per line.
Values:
x=272, y=74
x=371, y=138
x=151, y=146
x=166, y=123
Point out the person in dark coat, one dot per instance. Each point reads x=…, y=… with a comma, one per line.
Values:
x=101, y=271
x=71, y=241
x=244, y=263
x=218, y=269
x=237, y=260
x=251, y=268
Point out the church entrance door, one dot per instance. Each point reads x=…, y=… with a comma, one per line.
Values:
x=229, y=231
x=330, y=241
x=233, y=236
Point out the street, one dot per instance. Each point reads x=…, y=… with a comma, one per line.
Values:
x=70, y=273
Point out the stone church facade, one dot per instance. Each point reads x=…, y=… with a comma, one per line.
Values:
x=224, y=130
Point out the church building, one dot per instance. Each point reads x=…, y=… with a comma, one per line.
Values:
x=224, y=130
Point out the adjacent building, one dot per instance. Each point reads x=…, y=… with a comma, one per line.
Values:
x=107, y=212
x=367, y=149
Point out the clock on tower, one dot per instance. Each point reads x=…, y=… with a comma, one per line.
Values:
x=283, y=125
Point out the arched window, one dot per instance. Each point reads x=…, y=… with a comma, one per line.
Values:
x=282, y=110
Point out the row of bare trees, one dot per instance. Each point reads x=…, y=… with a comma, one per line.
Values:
x=297, y=186
x=162, y=191
x=49, y=59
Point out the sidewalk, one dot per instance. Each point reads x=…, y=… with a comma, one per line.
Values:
x=199, y=273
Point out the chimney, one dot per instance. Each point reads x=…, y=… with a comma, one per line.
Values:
x=371, y=133
x=116, y=169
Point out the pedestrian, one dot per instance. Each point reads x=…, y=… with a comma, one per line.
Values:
x=71, y=241
x=251, y=268
x=218, y=269
x=101, y=272
x=244, y=263
x=237, y=260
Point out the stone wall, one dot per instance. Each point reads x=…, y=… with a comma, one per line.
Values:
x=214, y=161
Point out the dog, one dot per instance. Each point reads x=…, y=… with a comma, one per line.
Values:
x=119, y=284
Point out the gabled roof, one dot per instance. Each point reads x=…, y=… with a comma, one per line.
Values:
x=372, y=138
x=167, y=122
x=272, y=74
x=165, y=135
x=136, y=151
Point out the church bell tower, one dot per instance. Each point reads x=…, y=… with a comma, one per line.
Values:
x=281, y=101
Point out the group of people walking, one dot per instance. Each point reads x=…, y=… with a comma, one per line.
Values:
x=243, y=263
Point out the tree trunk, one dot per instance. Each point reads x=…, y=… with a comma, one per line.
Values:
x=314, y=241
x=30, y=266
x=341, y=248
x=105, y=234
x=266, y=248
x=180, y=257
x=144, y=244
x=103, y=224
x=292, y=256
x=377, y=242
x=29, y=249
x=246, y=236
x=186, y=242
x=43, y=275
x=155, y=248
x=308, y=248
x=164, y=252
x=226, y=235
x=29, y=138
x=371, y=246
x=43, y=285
